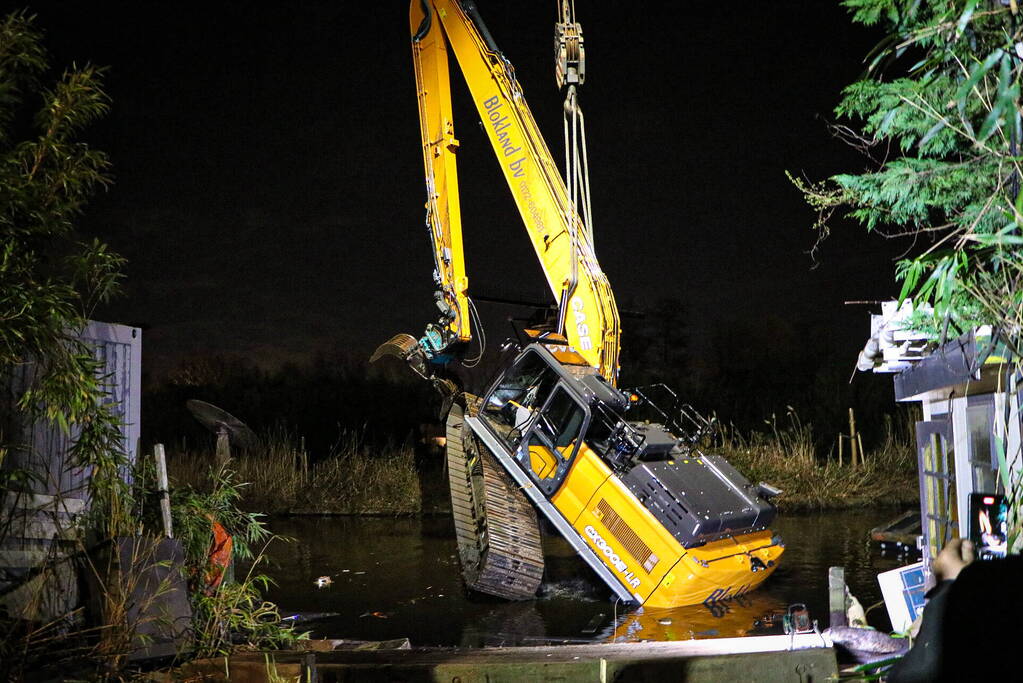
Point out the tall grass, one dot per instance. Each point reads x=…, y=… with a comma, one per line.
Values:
x=786, y=457
x=354, y=477
x=358, y=478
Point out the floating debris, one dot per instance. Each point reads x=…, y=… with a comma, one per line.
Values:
x=310, y=616
x=323, y=581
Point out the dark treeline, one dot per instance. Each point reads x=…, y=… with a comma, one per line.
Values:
x=733, y=374
x=749, y=372
x=334, y=394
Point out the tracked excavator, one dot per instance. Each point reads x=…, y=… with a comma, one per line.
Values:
x=658, y=520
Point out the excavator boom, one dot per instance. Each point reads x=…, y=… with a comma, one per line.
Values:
x=552, y=222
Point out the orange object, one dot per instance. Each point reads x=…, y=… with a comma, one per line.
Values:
x=220, y=557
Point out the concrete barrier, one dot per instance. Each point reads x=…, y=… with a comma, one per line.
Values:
x=734, y=660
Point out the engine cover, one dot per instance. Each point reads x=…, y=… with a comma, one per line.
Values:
x=699, y=498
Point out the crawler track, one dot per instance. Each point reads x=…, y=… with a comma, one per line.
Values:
x=496, y=527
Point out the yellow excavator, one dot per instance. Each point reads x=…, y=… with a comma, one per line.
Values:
x=660, y=522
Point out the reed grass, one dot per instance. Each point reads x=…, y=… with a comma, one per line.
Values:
x=354, y=478
x=786, y=456
x=357, y=478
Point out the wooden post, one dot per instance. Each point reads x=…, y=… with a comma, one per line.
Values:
x=840, y=438
x=853, y=455
x=859, y=443
x=162, y=487
x=223, y=453
x=305, y=464
x=836, y=597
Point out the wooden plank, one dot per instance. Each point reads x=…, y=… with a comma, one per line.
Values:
x=27, y=558
x=40, y=502
x=44, y=529
x=609, y=651
x=47, y=595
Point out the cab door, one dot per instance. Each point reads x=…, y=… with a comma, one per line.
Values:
x=553, y=440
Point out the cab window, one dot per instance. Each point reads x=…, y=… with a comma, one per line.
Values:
x=513, y=404
x=560, y=425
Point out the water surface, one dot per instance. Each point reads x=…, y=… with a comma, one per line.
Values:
x=394, y=578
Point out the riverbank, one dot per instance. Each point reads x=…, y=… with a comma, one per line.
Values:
x=787, y=459
x=282, y=478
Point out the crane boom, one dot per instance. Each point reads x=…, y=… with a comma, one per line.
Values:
x=552, y=222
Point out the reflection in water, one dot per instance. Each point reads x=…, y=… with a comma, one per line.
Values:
x=751, y=615
x=400, y=578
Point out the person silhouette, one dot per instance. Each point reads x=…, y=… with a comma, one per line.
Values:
x=971, y=620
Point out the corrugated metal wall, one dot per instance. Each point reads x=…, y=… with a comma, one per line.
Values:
x=45, y=450
x=38, y=525
x=119, y=348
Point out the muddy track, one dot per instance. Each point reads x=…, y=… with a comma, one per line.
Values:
x=496, y=527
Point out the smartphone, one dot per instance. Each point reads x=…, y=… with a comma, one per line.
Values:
x=989, y=517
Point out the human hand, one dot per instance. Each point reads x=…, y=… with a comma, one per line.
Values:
x=953, y=557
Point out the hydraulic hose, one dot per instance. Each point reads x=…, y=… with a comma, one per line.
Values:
x=469, y=7
x=424, y=26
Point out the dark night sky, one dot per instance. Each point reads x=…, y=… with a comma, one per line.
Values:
x=269, y=184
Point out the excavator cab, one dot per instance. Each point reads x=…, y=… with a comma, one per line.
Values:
x=544, y=416
x=542, y=413
x=637, y=493
x=538, y=416
x=552, y=441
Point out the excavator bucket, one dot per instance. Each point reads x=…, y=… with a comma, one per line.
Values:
x=399, y=346
x=407, y=348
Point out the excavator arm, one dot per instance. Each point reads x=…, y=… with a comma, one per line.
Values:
x=588, y=316
x=443, y=214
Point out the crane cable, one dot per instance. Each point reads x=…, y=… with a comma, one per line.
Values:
x=577, y=171
x=570, y=71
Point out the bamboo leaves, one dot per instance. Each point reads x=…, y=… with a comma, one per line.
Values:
x=956, y=117
x=941, y=284
x=46, y=180
x=965, y=17
x=1005, y=100
x=941, y=123
x=978, y=73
